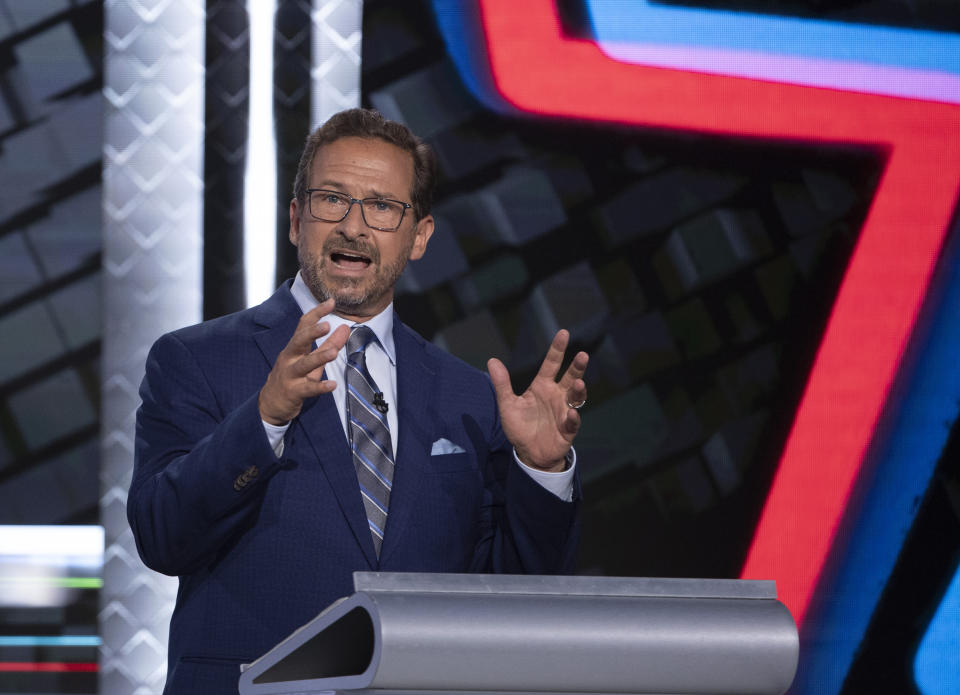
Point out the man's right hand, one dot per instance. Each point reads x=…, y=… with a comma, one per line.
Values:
x=298, y=372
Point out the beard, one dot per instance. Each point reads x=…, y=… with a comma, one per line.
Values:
x=358, y=296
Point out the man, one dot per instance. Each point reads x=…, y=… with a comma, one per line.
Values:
x=269, y=468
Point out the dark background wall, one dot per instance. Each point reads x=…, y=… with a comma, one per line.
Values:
x=50, y=328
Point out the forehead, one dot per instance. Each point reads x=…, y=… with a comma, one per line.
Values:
x=363, y=165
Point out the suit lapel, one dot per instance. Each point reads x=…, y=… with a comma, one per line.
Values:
x=415, y=388
x=318, y=421
x=322, y=426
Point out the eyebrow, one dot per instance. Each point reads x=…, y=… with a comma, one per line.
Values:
x=339, y=187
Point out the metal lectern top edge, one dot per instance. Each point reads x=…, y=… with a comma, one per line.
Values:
x=376, y=691
x=412, y=582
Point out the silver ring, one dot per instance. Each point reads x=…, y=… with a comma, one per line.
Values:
x=577, y=406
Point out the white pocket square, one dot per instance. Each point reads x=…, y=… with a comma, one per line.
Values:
x=445, y=446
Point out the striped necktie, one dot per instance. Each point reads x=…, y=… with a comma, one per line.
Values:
x=369, y=433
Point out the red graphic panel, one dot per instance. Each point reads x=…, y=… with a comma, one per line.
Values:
x=884, y=284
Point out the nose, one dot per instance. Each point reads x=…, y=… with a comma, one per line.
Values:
x=352, y=226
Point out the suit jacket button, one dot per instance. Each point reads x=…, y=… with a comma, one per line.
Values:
x=244, y=478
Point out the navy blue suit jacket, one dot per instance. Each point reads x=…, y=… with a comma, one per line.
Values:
x=261, y=544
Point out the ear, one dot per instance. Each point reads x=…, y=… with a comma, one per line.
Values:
x=294, y=233
x=422, y=233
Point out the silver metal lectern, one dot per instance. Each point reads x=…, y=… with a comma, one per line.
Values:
x=470, y=633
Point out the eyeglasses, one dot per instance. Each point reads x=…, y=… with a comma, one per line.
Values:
x=382, y=214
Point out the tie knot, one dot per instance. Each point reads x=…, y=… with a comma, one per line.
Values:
x=360, y=337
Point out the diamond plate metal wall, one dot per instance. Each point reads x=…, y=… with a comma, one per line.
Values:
x=335, y=77
x=331, y=66
x=154, y=87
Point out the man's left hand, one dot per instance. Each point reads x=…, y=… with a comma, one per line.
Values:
x=542, y=422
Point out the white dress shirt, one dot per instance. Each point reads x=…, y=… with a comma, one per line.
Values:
x=381, y=359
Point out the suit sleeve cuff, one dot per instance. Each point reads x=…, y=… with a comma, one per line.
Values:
x=560, y=484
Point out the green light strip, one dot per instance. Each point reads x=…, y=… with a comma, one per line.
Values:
x=64, y=582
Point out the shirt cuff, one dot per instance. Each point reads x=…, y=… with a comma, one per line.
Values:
x=560, y=484
x=275, y=436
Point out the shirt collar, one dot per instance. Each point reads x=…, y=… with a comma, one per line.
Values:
x=381, y=324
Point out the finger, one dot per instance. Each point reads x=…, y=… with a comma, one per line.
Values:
x=302, y=389
x=311, y=387
x=314, y=362
x=337, y=339
x=575, y=371
x=302, y=340
x=577, y=393
x=320, y=310
x=554, y=358
x=325, y=353
x=314, y=332
x=308, y=329
x=576, y=396
x=501, y=380
x=571, y=423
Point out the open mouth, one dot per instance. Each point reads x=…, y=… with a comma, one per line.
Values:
x=349, y=261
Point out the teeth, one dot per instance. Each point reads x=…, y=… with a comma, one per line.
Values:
x=349, y=257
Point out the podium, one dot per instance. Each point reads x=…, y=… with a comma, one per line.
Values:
x=412, y=634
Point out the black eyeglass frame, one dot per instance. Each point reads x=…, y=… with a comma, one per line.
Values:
x=360, y=202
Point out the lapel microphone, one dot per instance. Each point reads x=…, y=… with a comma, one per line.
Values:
x=379, y=403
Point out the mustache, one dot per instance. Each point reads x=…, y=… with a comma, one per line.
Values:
x=361, y=248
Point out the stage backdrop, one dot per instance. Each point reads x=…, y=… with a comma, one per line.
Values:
x=746, y=212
